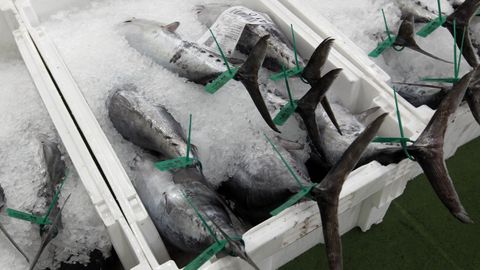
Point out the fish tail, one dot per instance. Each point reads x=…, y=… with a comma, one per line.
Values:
x=248, y=76
x=328, y=191
x=428, y=148
x=473, y=100
x=422, y=51
x=309, y=102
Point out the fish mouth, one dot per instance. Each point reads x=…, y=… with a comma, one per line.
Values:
x=129, y=20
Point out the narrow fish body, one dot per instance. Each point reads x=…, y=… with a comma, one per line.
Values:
x=175, y=219
x=260, y=181
x=147, y=125
x=160, y=43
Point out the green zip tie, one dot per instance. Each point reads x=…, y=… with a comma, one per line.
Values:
x=285, y=162
x=456, y=64
x=40, y=220
x=55, y=199
x=293, y=71
x=305, y=191
x=223, y=78
x=204, y=222
x=400, y=125
x=179, y=162
x=382, y=46
x=289, y=108
x=434, y=24
x=402, y=140
x=206, y=255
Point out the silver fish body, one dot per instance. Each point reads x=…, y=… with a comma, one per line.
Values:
x=164, y=199
x=147, y=125
x=260, y=181
x=160, y=43
x=420, y=12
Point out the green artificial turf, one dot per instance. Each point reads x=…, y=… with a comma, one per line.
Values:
x=418, y=232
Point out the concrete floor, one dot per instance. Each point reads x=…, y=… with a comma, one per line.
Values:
x=418, y=232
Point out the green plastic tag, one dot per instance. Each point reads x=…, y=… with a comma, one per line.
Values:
x=293, y=200
x=206, y=255
x=41, y=220
x=431, y=26
x=286, y=111
x=180, y=162
x=221, y=80
x=382, y=47
x=289, y=72
x=391, y=140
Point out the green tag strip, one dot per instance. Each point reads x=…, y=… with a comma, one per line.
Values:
x=304, y=191
x=386, y=43
x=40, y=220
x=289, y=108
x=285, y=162
x=402, y=140
x=212, y=250
x=433, y=25
x=179, y=162
x=293, y=200
x=297, y=70
x=221, y=80
x=456, y=63
x=206, y=255
x=391, y=140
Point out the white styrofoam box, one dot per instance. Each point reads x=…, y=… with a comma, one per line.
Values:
x=123, y=240
x=366, y=193
x=463, y=130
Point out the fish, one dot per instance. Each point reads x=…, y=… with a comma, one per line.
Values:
x=405, y=38
x=428, y=148
x=147, y=125
x=5, y=232
x=327, y=193
x=165, y=198
x=419, y=96
x=190, y=60
x=248, y=26
x=56, y=170
x=462, y=16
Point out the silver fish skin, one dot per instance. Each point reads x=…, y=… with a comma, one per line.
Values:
x=260, y=182
x=146, y=125
x=333, y=146
x=175, y=219
x=160, y=43
x=279, y=52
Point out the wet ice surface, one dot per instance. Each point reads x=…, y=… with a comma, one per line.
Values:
x=225, y=125
x=22, y=173
x=362, y=22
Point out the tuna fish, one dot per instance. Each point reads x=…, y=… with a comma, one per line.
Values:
x=147, y=125
x=165, y=196
x=5, y=232
x=190, y=60
x=405, y=38
x=55, y=168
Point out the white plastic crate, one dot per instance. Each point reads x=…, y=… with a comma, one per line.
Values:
x=15, y=40
x=366, y=194
x=463, y=130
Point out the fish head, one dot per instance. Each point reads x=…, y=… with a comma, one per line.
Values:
x=134, y=27
x=2, y=198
